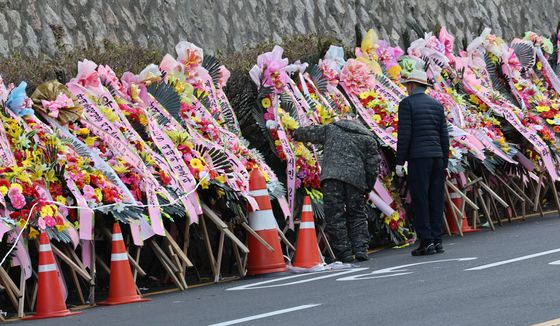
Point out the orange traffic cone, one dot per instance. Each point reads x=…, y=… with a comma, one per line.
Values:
x=50, y=299
x=307, y=249
x=261, y=260
x=121, y=284
x=458, y=201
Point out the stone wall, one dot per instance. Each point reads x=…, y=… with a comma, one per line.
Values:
x=35, y=27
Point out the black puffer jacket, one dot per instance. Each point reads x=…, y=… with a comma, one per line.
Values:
x=422, y=129
x=350, y=152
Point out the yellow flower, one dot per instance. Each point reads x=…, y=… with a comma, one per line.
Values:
x=98, y=194
x=60, y=228
x=46, y=211
x=83, y=131
x=377, y=118
x=265, y=175
x=120, y=169
x=550, y=121
x=542, y=108
x=196, y=164
x=110, y=114
x=266, y=103
x=394, y=71
x=61, y=199
x=33, y=233
x=3, y=190
x=89, y=141
x=143, y=120
x=17, y=186
x=204, y=183
x=474, y=99
x=288, y=122
x=221, y=179
x=539, y=65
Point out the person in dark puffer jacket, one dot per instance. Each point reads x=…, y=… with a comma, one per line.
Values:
x=348, y=172
x=423, y=142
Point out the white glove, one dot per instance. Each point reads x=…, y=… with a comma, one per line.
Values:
x=401, y=171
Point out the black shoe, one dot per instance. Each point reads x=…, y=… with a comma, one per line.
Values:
x=361, y=256
x=438, y=246
x=424, y=250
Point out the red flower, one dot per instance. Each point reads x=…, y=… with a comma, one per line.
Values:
x=5, y=183
x=393, y=225
x=165, y=179
x=556, y=129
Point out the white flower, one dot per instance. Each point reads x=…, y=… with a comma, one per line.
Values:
x=271, y=124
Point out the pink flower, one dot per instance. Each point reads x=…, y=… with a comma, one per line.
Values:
x=269, y=116
x=512, y=60
x=447, y=40
x=50, y=221
x=356, y=77
x=224, y=76
x=16, y=198
x=89, y=193
x=87, y=75
x=42, y=224
x=275, y=75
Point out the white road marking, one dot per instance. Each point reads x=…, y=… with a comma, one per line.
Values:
x=555, y=263
x=509, y=261
x=261, y=285
x=268, y=314
x=397, y=270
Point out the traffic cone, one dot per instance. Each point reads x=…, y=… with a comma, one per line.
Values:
x=458, y=201
x=261, y=260
x=307, y=248
x=50, y=299
x=122, y=288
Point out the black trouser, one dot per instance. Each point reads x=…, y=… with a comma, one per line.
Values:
x=426, y=181
x=346, y=218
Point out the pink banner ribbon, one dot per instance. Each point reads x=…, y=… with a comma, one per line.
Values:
x=21, y=255
x=380, y=189
x=6, y=157
x=84, y=212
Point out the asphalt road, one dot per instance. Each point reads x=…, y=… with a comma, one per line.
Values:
x=486, y=278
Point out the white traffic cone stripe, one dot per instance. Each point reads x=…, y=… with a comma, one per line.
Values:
x=258, y=193
x=307, y=225
x=117, y=236
x=119, y=257
x=47, y=268
x=45, y=247
x=307, y=209
x=262, y=220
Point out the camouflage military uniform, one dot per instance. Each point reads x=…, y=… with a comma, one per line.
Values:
x=348, y=172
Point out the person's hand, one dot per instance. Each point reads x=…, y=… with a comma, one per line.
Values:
x=400, y=170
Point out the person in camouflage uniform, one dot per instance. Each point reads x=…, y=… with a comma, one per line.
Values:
x=348, y=173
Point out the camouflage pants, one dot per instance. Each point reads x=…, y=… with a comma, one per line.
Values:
x=346, y=218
